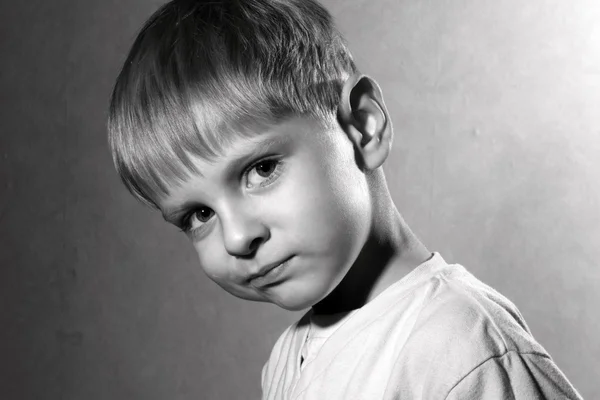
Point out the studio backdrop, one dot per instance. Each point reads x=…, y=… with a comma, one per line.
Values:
x=495, y=164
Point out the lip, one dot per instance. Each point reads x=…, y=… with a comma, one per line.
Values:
x=269, y=273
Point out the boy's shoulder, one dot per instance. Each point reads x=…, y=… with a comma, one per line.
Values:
x=459, y=305
x=476, y=340
x=462, y=324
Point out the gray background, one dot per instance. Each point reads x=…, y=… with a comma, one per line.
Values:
x=495, y=164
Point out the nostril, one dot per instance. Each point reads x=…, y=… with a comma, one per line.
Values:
x=250, y=251
x=255, y=243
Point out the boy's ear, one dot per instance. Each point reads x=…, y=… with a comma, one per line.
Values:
x=364, y=118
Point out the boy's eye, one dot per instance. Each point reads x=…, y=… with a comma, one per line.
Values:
x=265, y=168
x=199, y=217
x=262, y=173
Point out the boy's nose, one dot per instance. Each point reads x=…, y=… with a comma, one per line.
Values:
x=243, y=234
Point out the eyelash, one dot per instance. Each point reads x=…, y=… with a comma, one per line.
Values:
x=185, y=225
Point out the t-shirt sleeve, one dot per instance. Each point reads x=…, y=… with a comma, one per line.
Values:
x=515, y=376
x=262, y=378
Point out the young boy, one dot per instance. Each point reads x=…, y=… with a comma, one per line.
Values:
x=248, y=125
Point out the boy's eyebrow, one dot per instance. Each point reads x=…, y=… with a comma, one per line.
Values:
x=257, y=148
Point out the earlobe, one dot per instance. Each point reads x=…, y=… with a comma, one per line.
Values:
x=364, y=118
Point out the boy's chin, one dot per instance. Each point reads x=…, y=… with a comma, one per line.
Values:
x=289, y=297
x=289, y=304
x=295, y=307
x=295, y=303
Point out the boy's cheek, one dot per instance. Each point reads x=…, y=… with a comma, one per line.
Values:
x=209, y=258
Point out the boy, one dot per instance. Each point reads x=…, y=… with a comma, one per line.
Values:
x=248, y=125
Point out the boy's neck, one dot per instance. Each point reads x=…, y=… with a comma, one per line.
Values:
x=390, y=253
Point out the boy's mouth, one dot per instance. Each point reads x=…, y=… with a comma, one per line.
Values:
x=269, y=273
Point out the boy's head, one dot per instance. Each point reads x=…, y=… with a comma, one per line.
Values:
x=199, y=70
x=233, y=118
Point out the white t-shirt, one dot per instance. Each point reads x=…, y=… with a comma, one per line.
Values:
x=320, y=328
x=438, y=333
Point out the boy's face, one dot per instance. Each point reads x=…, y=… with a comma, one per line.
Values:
x=290, y=197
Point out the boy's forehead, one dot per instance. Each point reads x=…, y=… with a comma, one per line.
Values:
x=248, y=136
x=243, y=141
